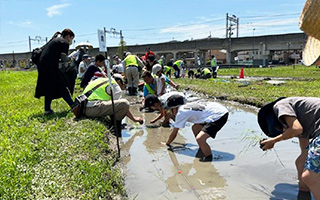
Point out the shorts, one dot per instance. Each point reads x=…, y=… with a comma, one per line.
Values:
x=313, y=158
x=212, y=128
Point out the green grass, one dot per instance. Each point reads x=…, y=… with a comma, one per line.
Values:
x=51, y=157
x=57, y=157
x=305, y=82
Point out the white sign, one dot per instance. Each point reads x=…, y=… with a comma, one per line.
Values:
x=102, y=41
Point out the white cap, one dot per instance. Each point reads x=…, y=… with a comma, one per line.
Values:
x=156, y=68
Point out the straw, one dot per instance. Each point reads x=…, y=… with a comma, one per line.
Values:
x=309, y=23
x=310, y=19
x=311, y=52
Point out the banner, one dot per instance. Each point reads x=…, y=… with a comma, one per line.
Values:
x=102, y=41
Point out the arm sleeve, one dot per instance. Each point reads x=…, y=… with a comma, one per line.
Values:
x=140, y=63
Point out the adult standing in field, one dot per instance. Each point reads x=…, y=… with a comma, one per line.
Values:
x=214, y=66
x=290, y=117
x=177, y=66
x=131, y=63
x=51, y=83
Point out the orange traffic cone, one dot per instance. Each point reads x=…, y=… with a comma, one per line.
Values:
x=241, y=73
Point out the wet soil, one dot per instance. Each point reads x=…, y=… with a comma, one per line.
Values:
x=240, y=169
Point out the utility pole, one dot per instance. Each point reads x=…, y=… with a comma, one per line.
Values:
x=114, y=33
x=38, y=39
x=231, y=21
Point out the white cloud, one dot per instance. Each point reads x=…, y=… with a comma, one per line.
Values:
x=24, y=24
x=56, y=9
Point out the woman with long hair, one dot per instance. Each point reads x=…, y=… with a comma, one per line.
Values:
x=51, y=83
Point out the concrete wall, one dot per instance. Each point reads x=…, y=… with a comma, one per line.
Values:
x=263, y=45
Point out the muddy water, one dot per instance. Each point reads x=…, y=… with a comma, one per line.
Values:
x=240, y=170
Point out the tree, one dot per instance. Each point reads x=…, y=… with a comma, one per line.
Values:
x=122, y=48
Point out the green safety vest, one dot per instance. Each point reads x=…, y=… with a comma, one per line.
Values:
x=131, y=60
x=206, y=71
x=178, y=63
x=213, y=62
x=99, y=93
x=150, y=90
x=167, y=68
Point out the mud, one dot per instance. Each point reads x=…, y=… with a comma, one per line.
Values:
x=240, y=170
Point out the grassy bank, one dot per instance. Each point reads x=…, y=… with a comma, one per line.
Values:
x=53, y=156
x=305, y=82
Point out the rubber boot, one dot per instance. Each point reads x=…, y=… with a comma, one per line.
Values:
x=130, y=90
x=134, y=91
x=304, y=195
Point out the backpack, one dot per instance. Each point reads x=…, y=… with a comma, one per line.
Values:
x=35, y=55
x=81, y=101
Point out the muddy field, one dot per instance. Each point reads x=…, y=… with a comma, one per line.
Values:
x=240, y=170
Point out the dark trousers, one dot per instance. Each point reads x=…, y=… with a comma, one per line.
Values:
x=66, y=97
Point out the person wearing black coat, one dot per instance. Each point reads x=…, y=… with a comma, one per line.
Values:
x=51, y=83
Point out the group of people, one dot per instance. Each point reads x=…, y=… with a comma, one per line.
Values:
x=281, y=119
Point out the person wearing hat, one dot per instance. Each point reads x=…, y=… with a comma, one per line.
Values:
x=160, y=79
x=131, y=63
x=290, y=117
x=99, y=102
x=83, y=65
x=207, y=118
x=161, y=104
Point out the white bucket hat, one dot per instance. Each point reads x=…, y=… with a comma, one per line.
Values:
x=310, y=24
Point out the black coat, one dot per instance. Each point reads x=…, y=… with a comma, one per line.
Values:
x=50, y=81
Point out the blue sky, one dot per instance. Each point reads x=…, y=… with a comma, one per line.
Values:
x=141, y=21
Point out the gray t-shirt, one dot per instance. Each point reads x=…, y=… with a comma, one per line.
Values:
x=305, y=109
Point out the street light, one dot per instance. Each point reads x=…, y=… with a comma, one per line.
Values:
x=288, y=44
x=253, y=43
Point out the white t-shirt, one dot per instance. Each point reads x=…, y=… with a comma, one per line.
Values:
x=118, y=67
x=160, y=84
x=82, y=66
x=199, y=112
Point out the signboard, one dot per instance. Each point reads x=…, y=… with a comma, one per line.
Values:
x=102, y=41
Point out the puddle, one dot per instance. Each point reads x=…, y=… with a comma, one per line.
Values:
x=240, y=170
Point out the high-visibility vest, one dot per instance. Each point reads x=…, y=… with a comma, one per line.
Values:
x=167, y=68
x=131, y=60
x=99, y=93
x=150, y=90
x=206, y=71
x=178, y=63
x=213, y=62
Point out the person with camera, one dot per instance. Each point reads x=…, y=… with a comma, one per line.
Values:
x=51, y=82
